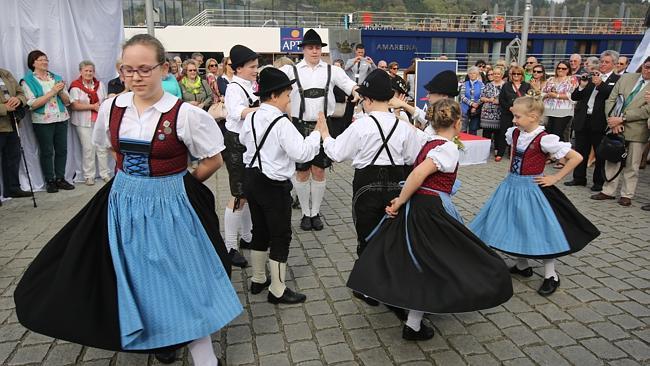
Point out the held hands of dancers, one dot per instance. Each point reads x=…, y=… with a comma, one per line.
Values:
x=573, y=158
x=321, y=126
x=394, y=207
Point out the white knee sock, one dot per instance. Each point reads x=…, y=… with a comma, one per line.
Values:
x=302, y=190
x=278, y=276
x=258, y=262
x=414, y=320
x=549, y=268
x=231, y=223
x=202, y=352
x=246, y=224
x=317, y=193
x=522, y=263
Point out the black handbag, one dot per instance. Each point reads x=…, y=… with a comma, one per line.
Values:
x=613, y=148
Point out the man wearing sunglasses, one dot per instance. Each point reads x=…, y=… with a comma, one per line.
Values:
x=590, y=117
x=622, y=65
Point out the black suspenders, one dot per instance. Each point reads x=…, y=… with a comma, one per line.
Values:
x=301, y=91
x=258, y=148
x=251, y=104
x=384, y=144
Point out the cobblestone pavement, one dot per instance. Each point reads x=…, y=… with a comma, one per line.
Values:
x=600, y=315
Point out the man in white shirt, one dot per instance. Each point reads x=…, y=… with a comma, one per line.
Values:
x=313, y=93
x=273, y=146
x=360, y=66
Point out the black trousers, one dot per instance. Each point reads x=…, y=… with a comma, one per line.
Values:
x=585, y=140
x=321, y=160
x=492, y=134
x=233, y=156
x=10, y=153
x=270, y=204
x=557, y=125
x=373, y=188
x=501, y=144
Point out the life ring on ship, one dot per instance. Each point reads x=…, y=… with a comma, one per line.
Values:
x=499, y=23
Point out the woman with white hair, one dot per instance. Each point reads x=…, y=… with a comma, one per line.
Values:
x=470, y=97
x=86, y=95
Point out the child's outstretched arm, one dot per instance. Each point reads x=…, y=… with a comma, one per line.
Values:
x=573, y=159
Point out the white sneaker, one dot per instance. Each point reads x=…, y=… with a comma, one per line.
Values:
x=90, y=182
x=106, y=179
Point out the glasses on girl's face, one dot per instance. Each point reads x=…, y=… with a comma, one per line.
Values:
x=144, y=70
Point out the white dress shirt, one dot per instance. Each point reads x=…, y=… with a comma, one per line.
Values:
x=236, y=101
x=361, y=141
x=592, y=97
x=316, y=77
x=551, y=144
x=194, y=127
x=283, y=147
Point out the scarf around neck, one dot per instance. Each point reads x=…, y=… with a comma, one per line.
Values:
x=192, y=87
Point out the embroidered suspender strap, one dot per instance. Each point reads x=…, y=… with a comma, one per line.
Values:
x=301, y=92
x=258, y=148
x=327, y=88
x=384, y=140
x=250, y=101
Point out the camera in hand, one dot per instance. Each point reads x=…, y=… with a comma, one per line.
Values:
x=585, y=77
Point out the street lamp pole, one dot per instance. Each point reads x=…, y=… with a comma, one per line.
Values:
x=524, y=34
x=149, y=16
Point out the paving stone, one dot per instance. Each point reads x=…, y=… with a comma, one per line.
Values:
x=555, y=337
x=265, y=325
x=325, y=321
x=337, y=353
x=63, y=354
x=303, y=351
x=545, y=355
x=240, y=354
x=626, y=321
x=602, y=348
x=576, y=330
x=375, y=356
x=96, y=354
x=329, y=336
x=269, y=343
x=504, y=350
x=292, y=315
x=275, y=360
x=534, y=320
x=354, y=321
x=447, y=358
x=579, y=355
x=298, y=331
x=466, y=345
x=482, y=360
x=6, y=349
x=238, y=334
x=27, y=355
x=609, y=331
x=637, y=349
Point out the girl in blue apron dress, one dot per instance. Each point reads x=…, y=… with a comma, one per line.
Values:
x=423, y=258
x=142, y=267
x=527, y=216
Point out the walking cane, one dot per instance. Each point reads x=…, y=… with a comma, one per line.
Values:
x=22, y=152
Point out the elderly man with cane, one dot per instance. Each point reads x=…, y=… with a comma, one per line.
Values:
x=12, y=104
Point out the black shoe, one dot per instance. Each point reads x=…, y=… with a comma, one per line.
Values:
x=305, y=223
x=549, y=286
x=645, y=208
x=422, y=335
x=243, y=244
x=526, y=272
x=368, y=300
x=597, y=187
x=50, y=186
x=62, y=184
x=256, y=288
x=316, y=223
x=575, y=182
x=288, y=297
x=400, y=313
x=296, y=203
x=237, y=259
x=19, y=193
x=166, y=357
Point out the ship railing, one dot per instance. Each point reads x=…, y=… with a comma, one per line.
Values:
x=415, y=21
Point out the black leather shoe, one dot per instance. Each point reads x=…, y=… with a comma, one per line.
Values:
x=575, y=182
x=305, y=223
x=296, y=203
x=526, y=272
x=366, y=299
x=645, y=208
x=288, y=297
x=256, y=288
x=237, y=259
x=422, y=335
x=51, y=187
x=19, y=193
x=400, y=313
x=596, y=188
x=63, y=184
x=243, y=244
x=316, y=223
x=549, y=286
x=166, y=357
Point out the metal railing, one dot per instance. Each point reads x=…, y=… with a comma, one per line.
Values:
x=416, y=21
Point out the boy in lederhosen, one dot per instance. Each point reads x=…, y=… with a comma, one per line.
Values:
x=273, y=147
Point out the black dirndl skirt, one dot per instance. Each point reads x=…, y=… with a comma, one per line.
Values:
x=69, y=291
x=426, y=260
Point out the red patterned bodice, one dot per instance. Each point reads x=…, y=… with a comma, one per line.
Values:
x=439, y=181
x=166, y=154
x=532, y=160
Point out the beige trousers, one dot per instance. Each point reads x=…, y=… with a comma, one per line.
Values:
x=629, y=175
x=88, y=153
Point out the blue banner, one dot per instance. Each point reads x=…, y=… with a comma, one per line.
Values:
x=425, y=70
x=290, y=38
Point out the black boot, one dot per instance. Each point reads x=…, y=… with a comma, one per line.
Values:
x=288, y=297
x=237, y=259
x=166, y=357
x=422, y=335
